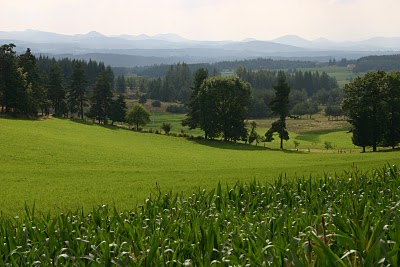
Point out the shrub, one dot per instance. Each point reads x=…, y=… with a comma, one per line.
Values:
x=156, y=103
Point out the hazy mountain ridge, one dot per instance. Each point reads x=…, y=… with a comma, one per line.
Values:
x=169, y=48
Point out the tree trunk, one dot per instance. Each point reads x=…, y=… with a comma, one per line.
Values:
x=363, y=149
x=374, y=147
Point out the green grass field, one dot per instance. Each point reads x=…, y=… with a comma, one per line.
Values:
x=63, y=164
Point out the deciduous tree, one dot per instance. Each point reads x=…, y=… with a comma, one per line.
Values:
x=138, y=116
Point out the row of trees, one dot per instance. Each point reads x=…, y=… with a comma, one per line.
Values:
x=372, y=104
x=312, y=82
x=26, y=88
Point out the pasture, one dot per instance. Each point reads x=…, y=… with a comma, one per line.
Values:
x=62, y=165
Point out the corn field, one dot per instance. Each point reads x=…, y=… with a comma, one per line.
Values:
x=349, y=220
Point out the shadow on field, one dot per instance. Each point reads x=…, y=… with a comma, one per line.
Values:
x=91, y=123
x=226, y=145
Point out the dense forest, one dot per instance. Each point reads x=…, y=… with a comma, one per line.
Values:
x=29, y=84
x=373, y=63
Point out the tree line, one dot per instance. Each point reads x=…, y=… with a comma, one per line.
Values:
x=156, y=71
x=373, y=63
x=29, y=84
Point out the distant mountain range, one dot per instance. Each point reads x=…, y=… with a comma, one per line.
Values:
x=143, y=49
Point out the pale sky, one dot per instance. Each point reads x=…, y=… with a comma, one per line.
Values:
x=338, y=20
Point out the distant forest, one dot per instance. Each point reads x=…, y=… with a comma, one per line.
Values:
x=373, y=63
x=156, y=71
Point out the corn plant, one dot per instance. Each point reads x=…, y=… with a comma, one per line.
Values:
x=348, y=220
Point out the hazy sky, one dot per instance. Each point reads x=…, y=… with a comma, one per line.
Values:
x=208, y=19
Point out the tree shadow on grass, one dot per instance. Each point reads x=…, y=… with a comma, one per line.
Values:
x=91, y=123
x=237, y=146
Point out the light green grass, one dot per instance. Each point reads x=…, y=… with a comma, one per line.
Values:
x=62, y=164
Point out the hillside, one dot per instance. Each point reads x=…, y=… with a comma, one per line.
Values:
x=62, y=164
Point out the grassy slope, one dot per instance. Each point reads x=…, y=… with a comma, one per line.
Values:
x=61, y=164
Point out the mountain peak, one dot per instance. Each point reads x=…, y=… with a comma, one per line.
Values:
x=93, y=34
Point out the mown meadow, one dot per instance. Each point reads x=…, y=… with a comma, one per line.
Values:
x=62, y=165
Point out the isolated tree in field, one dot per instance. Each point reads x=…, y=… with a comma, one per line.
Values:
x=102, y=98
x=138, y=116
x=222, y=107
x=364, y=105
x=193, y=118
x=77, y=89
x=118, y=109
x=56, y=90
x=280, y=106
x=166, y=127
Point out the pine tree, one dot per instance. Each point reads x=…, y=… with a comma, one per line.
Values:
x=280, y=107
x=77, y=91
x=118, y=109
x=102, y=98
x=56, y=90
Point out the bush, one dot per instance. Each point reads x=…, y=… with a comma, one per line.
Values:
x=156, y=103
x=166, y=127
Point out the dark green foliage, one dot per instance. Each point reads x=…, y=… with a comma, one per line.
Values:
x=102, y=98
x=193, y=117
x=77, y=90
x=307, y=107
x=120, y=84
x=333, y=111
x=367, y=103
x=118, y=109
x=280, y=107
x=13, y=85
x=156, y=103
x=57, y=93
x=220, y=108
x=391, y=105
x=138, y=116
x=34, y=93
x=311, y=82
x=349, y=220
x=166, y=127
x=253, y=135
x=156, y=71
x=143, y=99
x=374, y=63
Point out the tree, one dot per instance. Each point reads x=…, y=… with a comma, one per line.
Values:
x=364, y=105
x=392, y=107
x=12, y=84
x=222, y=107
x=280, y=107
x=56, y=90
x=118, y=109
x=120, y=84
x=77, y=91
x=253, y=136
x=102, y=98
x=192, y=120
x=33, y=94
x=166, y=127
x=138, y=116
